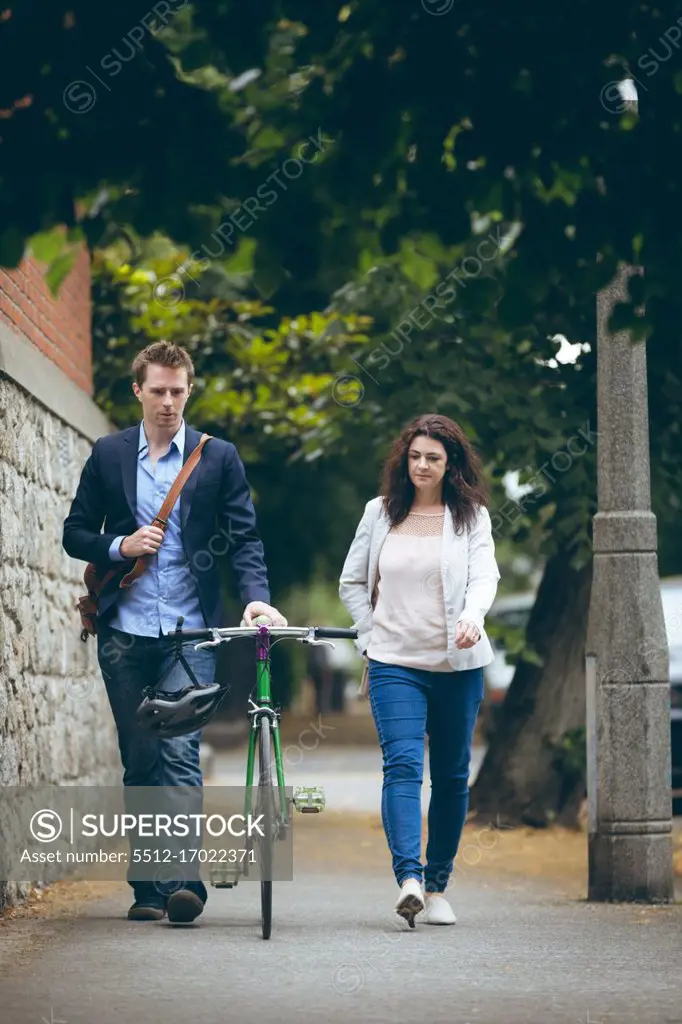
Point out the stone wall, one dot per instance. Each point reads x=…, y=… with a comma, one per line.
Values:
x=54, y=719
x=55, y=722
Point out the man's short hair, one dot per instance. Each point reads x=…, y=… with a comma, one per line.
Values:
x=162, y=353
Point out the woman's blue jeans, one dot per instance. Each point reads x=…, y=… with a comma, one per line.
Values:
x=409, y=704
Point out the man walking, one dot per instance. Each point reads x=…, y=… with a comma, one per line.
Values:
x=122, y=487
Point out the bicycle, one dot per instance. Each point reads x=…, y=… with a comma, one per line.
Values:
x=264, y=738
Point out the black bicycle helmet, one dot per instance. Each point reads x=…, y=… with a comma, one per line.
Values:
x=180, y=712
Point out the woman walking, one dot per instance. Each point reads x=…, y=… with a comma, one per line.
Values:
x=418, y=580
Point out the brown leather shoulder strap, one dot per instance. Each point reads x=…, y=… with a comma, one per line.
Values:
x=161, y=519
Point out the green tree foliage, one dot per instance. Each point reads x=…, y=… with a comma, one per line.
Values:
x=170, y=118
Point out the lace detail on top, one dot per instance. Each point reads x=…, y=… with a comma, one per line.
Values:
x=421, y=524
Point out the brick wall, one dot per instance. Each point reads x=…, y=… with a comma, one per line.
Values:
x=59, y=328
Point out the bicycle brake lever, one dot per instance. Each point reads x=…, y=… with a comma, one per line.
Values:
x=212, y=643
x=309, y=638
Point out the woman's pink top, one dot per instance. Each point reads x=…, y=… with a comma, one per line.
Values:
x=408, y=626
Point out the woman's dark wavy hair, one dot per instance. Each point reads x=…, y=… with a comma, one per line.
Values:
x=464, y=488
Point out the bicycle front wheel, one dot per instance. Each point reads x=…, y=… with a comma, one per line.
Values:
x=266, y=807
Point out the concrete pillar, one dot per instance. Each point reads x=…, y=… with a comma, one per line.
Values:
x=628, y=688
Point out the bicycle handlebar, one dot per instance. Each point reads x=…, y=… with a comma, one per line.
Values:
x=294, y=632
x=335, y=633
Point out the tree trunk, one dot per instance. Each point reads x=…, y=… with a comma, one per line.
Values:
x=533, y=772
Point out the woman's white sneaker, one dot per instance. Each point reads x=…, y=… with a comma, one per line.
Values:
x=411, y=900
x=438, y=910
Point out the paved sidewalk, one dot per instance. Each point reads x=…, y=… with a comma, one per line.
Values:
x=525, y=950
x=519, y=954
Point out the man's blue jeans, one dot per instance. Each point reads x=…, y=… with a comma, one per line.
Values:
x=129, y=664
x=408, y=704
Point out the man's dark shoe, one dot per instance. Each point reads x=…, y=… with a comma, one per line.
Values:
x=143, y=911
x=183, y=906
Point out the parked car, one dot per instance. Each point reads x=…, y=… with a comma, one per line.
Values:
x=510, y=612
x=514, y=611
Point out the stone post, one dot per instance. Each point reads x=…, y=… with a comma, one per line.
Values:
x=628, y=688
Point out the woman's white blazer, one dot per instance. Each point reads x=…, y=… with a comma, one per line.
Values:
x=468, y=569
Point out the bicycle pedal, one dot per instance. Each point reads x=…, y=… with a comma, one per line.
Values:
x=309, y=799
x=224, y=877
x=282, y=830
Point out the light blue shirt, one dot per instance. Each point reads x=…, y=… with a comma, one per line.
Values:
x=166, y=588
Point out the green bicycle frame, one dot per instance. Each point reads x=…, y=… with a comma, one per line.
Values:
x=264, y=700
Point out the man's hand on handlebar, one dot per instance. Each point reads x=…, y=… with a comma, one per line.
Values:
x=256, y=608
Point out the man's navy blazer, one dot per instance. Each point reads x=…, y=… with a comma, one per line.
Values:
x=216, y=512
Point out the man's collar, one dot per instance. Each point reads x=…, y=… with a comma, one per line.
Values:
x=178, y=439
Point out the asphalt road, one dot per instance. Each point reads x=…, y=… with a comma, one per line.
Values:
x=519, y=954
x=351, y=776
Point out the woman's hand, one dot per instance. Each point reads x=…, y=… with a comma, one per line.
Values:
x=466, y=634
